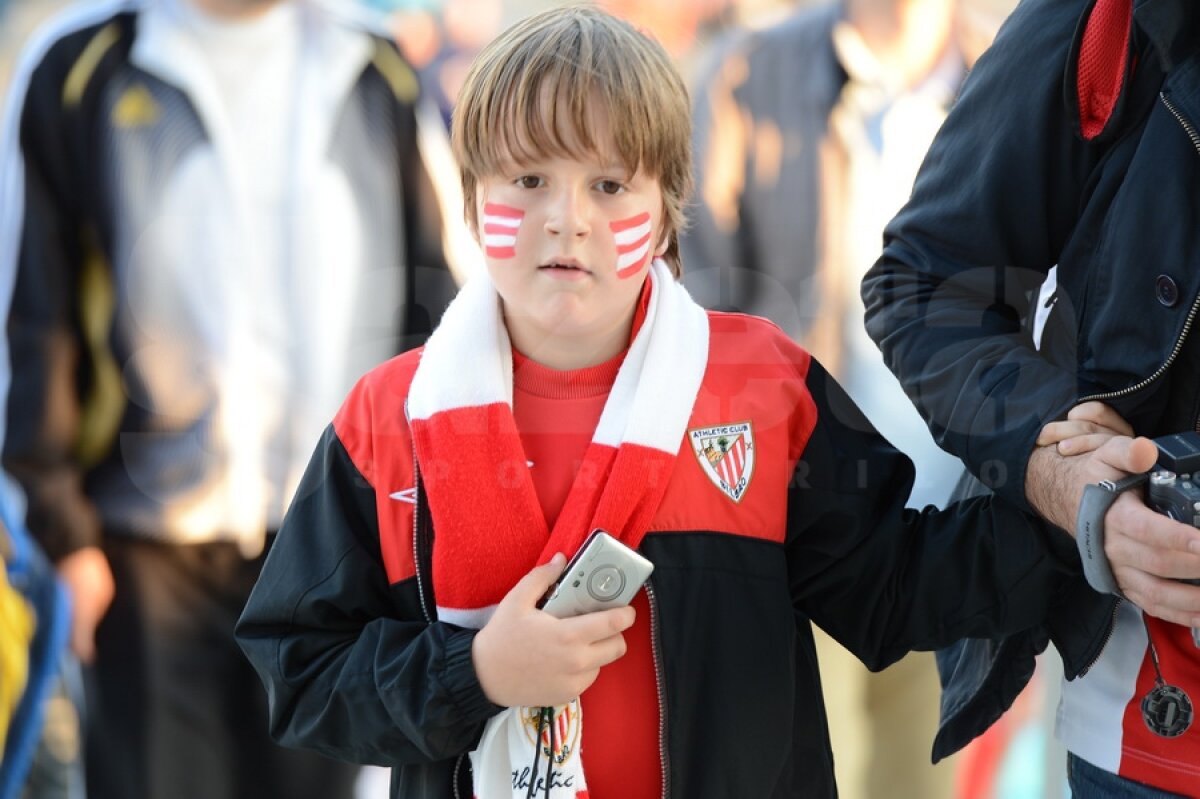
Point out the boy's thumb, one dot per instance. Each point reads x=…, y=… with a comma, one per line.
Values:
x=534, y=584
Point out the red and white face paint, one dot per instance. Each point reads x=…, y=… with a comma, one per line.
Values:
x=632, y=237
x=500, y=226
x=567, y=243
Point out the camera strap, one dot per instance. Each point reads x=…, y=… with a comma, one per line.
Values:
x=1089, y=530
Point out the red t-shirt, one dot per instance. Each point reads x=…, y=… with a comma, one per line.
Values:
x=556, y=413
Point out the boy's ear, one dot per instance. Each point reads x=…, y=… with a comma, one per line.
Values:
x=663, y=245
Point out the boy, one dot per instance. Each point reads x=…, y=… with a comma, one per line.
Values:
x=396, y=620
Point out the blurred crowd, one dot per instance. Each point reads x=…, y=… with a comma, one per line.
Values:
x=810, y=122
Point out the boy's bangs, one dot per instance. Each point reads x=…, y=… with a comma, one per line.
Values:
x=552, y=109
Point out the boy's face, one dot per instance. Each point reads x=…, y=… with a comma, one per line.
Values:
x=568, y=242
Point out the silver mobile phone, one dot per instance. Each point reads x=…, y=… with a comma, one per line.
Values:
x=603, y=574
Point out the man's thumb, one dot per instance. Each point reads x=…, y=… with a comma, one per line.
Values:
x=1132, y=455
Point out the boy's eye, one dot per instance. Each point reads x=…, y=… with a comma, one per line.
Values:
x=610, y=187
x=529, y=181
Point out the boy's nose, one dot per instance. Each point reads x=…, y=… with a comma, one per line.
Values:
x=568, y=215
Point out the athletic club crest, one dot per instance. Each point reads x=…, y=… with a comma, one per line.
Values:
x=726, y=454
x=559, y=731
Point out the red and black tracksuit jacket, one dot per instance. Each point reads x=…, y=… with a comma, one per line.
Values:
x=343, y=631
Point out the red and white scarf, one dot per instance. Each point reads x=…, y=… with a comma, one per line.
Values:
x=490, y=527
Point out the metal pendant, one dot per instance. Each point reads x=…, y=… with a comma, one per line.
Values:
x=1167, y=711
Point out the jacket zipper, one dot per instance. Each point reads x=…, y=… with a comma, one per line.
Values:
x=1187, y=325
x=420, y=587
x=1112, y=626
x=416, y=535
x=659, y=680
x=416, y=539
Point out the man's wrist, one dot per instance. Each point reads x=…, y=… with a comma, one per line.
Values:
x=1049, y=488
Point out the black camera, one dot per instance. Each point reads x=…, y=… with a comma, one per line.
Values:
x=1174, y=489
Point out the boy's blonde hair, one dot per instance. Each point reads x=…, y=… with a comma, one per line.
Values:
x=535, y=91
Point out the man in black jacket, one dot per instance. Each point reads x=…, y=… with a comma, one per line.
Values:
x=1073, y=145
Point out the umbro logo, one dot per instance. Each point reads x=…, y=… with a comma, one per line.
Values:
x=408, y=495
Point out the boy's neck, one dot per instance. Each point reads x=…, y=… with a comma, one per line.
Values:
x=567, y=353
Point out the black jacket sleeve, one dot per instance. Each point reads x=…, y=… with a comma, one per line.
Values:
x=882, y=579
x=351, y=667
x=50, y=368
x=991, y=209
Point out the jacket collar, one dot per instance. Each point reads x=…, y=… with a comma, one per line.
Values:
x=1172, y=27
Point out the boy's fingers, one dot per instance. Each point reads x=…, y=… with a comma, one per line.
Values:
x=1078, y=445
x=1055, y=432
x=1102, y=415
x=592, y=627
x=532, y=587
x=608, y=650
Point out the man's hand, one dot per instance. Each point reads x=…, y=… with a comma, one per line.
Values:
x=524, y=656
x=90, y=581
x=1147, y=551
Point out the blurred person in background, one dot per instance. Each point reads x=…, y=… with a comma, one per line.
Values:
x=466, y=26
x=413, y=24
x=808, y=135
x=220, y=216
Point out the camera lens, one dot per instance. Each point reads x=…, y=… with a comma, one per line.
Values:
x=606, y=583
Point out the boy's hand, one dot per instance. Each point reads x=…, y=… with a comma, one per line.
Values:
x=526, y=657
x=1086, y=427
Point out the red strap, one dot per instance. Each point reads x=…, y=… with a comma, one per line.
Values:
x=1103, y=53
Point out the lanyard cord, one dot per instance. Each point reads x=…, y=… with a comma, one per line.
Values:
x=550, y=756
x=545, y=716
x=1158, y=678
x=537, y=752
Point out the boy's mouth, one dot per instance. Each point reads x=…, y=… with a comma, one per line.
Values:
x=563, y=265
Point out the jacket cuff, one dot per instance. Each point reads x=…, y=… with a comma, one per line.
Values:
x=461, y=681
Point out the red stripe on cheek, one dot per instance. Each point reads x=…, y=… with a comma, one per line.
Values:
x=502, y=230
x=624, y=248
x=502, y=244
x=633, y=221
x=503, y=210
x=631, y=271
x=622, y=226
